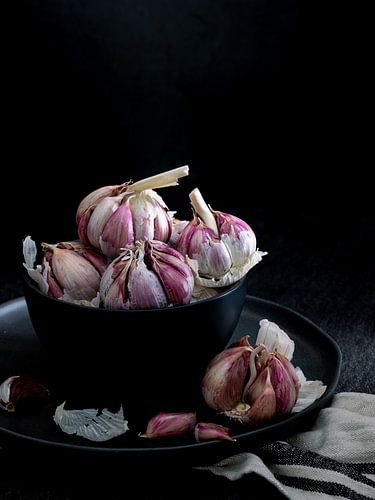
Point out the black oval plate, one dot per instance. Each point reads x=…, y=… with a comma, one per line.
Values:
x=20, y=353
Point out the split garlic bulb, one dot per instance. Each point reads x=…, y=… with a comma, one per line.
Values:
x=115, y=217
x=152, y=276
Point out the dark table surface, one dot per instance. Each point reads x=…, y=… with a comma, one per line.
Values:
x=333, y=285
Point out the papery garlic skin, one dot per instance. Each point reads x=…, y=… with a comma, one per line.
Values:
x=170, y=425
x=154, y=276
x=207, y=431
x=223, y=383
x=93, y=424
x=275, y=339
x=20, y=392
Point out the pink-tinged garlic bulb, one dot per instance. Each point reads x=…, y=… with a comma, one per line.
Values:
x=221, y=247
x=72, y=269
x=153, y=276
x=115, y=217
x=250, y=384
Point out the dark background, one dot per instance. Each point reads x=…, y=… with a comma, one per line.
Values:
x=269, y=103
x=266, y=101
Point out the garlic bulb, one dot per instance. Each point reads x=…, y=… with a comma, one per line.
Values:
x=115, y=217
x=72, y=269
x=221, y=246
x=153, y=276
x=251, y=384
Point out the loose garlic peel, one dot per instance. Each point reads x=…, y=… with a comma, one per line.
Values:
x=92, y=424
x=232, y=276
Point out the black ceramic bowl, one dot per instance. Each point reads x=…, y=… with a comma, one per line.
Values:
x=156, y=357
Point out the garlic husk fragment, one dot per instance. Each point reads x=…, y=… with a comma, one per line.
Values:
x=223, y=383
x=206, y=431
x=37, y=274
x=170, y=425
x=117, y=216
x=74, y=270
x=22, y=393
x=92, y=424
x=221, y=246
x=275, y=339
x=154, y=276
x=232, y=276
x=310, y=391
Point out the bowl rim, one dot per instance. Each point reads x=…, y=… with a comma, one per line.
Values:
x=228, y=290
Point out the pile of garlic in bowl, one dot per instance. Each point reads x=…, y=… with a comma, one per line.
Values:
x=132, y=252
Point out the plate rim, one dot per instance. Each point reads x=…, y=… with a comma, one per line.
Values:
x=214, y=444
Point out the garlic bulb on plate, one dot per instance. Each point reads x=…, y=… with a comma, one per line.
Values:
x=115, y=217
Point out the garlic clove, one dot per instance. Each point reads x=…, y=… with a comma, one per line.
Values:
x=290, y=370
x=223, y=382
x=94, y=198
x=263, y=402
x=118, y=231
x=144, y=213
x=20, y=393
x=99, y=218
x=200, y=243
x=207, y=431
x=169, y=425
x=177, y=227
x=73, y=272
x=174, y=274
x=145, y=289
x=98, y=260
x=285, y=390
x=237, y=236
x=82, y=223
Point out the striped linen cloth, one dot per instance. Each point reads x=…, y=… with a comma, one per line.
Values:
x=334, y=460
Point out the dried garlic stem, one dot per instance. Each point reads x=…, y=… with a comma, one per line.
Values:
x=47, y=247
x=165, y=179
x=201, y=207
